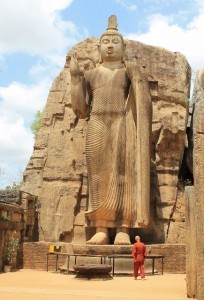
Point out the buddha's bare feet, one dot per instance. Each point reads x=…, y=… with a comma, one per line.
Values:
x=100, y=238
x=122, y=237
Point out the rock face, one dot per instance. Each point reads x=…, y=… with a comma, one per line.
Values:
x=191, y=247
x=57, y=170
x=195, y=245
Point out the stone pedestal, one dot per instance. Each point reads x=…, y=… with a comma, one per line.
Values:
x=34, y=255
x=101, y=249
x=123, y=266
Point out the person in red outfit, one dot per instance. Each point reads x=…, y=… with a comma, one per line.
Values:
x=139, y=253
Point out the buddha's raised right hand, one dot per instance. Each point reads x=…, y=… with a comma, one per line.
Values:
x=74, y=66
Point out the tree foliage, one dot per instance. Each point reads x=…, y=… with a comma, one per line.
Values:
x=35, y=126
x=14, y=187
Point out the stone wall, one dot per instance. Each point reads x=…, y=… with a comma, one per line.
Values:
x=11, y=224
x=16, y=220
x=57, y=170
x=35, y=257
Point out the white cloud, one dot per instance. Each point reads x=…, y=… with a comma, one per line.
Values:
x=172, y=37
x=52, y=5
x=16, y=147
x=10, y=174
x=18, y=105
x=22, y=101
x=16, y=141
x=35, y=26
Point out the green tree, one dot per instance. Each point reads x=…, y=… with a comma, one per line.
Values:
x=14, y=187
x=35, y=126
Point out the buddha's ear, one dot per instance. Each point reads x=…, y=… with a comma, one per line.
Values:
x=123, y=56
x=99, y=53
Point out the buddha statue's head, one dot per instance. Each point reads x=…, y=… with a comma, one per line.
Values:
x=111, y=46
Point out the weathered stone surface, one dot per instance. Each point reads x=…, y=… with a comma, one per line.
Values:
x=191, y=247
x=78, y=234
x=176, y=226
x=58, y=160
x=198, y=167
x=65, y=199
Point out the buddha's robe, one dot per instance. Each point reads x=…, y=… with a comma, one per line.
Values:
x=118, y=149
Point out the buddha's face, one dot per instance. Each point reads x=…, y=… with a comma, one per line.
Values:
x=111, y=47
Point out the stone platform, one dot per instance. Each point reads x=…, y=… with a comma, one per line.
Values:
x=174, y=256
x=122, y=266
x=34, y=256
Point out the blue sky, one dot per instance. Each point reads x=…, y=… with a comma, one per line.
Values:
x=35, y=36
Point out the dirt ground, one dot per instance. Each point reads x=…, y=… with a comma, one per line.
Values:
x=41, y=285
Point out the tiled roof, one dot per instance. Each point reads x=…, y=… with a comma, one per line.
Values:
x=9, y=196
